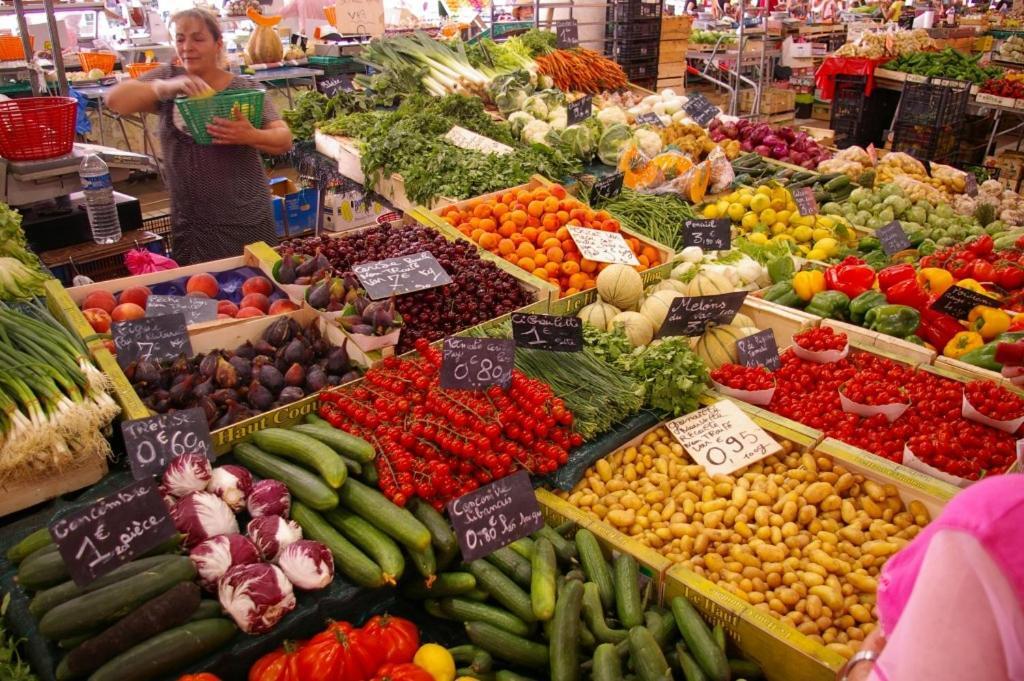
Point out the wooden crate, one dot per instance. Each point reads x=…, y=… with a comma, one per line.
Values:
x=676, y=28
x=773, y=100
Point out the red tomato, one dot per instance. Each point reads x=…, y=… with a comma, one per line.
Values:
x=279, y=665
x=402, y=672
x=338, y=654
x=396, y=639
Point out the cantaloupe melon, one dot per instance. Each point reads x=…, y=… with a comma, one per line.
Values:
x=656, y=307
x=638, y=328
x=718, y=344
x=669, y=285
x=598, y=313
x=742, y=320
x=709, y=284
x=620, y=285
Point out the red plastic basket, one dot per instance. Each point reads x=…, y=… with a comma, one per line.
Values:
x=34, y=128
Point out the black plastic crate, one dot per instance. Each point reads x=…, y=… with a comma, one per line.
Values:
x=927, y=143
x=635, y=72
x=937, y=102
x=634, y=10
x=622, y=51
x=636, y=30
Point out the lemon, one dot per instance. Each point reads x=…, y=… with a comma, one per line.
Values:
x=782, y=237
x=768, y=216
x=802, y=233
x=736, y=211
x=733, y=197
x=746, y=191
x=745, y=199
x=804, y=248
x=780, y=193
x=821, y=233
x=723, y=206
x=749, y=221
x=711, y=211
x=824, y=221
x=828, y=244
x=760, y=202
x=816, y=254
x=436, y=660
x=783, y=215
x=757, y=238
x=791, y=207
x=807, y=220
x=779, y=228
x=778, y=204
x=764, y=190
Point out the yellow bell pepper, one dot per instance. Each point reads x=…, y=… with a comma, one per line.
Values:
x=808, y=282
x=988, y=321
x=935, y=280
x=976, y=286
x=962, y=343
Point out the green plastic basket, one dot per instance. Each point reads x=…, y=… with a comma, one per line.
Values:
x=197, y=112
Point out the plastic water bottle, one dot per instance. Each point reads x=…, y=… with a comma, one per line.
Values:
x=99, y=200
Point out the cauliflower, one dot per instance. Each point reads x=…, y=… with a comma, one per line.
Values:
x=648, y=141
x=518, y=120
x=611, y=115
x=535, y=106
x=559, y=118
x=534, y=131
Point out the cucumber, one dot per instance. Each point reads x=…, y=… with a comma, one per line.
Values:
x=542, y=584
x=393, y=520
x=370, y=476
x=433, y=609
x=348, y=560
x=505, y=675
x=168, y=652
x=314, y=419
x=208, y=609
x=645, y=653
x=607, y=665
x=43, y=569
x=303, y=449
x=595, y=566
x=478, y=659
x=444, y=585
x=353, y=447
x=512, y=564
x=523, y=546
x=509, y=647
x=477, y=595
x=74, y=642
x=113, y=602
x=381, y=548
x=564, y=549
x=699, y=640
x=354, y=467
x=745, y=669
x=502, y=589
x=662, y=626
x=593, y=616
x=304, y=485
x=441, y=534
x=471, y=611
x=46, y=600
x=718, y=634
x=564, y=652
x=29, y=545
x=691, y=670
x=837, y=183
x=627, y=591
x=424, y=561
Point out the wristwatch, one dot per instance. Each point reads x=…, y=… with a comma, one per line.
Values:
x=858, y=657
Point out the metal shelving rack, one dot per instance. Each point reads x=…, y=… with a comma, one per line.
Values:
x=50, y=9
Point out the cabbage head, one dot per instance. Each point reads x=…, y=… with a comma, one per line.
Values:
x=536, y=107
x=610, y=147
x=579, y=141
x=517, y=120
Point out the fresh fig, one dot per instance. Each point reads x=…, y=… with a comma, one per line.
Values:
x=349, y=321
x=319, y=295
x=320, y=262
x=208, y=365
x=262, y=347
x=259, y=397
x=271, y=378
x=146, y=372
x=223, y=395
x=363, y=329
x=306, y=267
x=360, y=304
x=290, y=394
x=245, y=350
x=277, y=334
x=350, y=376
x=286, y=272
x=243, y=367
x=209, y=409
x=181, y=393
x=226, y=376
x=337, y=359
x=204, y=388
x=296, y=375
x=336, y=290
x=316, y=379
x=295, y=351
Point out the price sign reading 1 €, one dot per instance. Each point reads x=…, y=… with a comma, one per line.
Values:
x=722, y=438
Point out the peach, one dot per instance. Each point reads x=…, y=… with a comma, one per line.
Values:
x=221, y=315
x=247, y=312
x=134, y=294
x=282, y=306
x=203, y=282
x=257, y=285
x=98, y=318
x=197, y=294
x=226, y=307
x=127, y=311
x=104, y=300
x=257, y=300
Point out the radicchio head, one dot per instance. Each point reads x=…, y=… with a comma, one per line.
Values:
x=308, y=564
x=215, y=556
x=269, y=497
x=202, y=515
x=272, y=533
x=256, y=596
x=187, y=473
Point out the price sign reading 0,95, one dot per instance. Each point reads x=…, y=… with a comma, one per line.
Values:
x=722, y=438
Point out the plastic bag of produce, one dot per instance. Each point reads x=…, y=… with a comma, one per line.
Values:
x=722, y=173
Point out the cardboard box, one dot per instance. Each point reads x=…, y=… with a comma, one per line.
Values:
x=295, y=209
x=343, y=211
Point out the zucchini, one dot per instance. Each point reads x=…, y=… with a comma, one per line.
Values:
x=607, y=665
x=314, y=419
x=512, y=564
x=645, y=653
x=718, y=634
x=523, y=546
x=433, y=609
x=587, y=639
x=837, y=183
x=593, y=616
x=75, y=641
x=595, y=566
x=662, y=625
x=471, y=611
x=304, y=485
x=502, y=589
x=355, y=448
x=627, y=591
x=564, y=652
x=424, y=561
x=169, y=609
x=303, y=449
x=208, y=609
x=441, y=534
x=509, y=647
x=691, y=670
x=745, y=669
x=168, y=652
x=393, y=520
x=348, y=560
x=444, y=585
x=544, y=579
x=381, y=548
x=50, y=598
x=699, y=640
x=564, y=549
x=29, y=545
x=113, y=602
x=475, y=594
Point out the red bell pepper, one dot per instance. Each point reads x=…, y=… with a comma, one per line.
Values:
x=894, y=274
x=907, y=292
x=852, y=276
x=1019, y=243
x=982, y=270
x=937, y=328
x=983, y=244
x=1009, y=275
x=1010, y=353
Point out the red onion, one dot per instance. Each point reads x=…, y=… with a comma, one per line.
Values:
x=269, y=497
x=202, y=515
x=308, y=564
x=217, y=555
x=272, y=533
x=256, y=596
x=232, y=484
x=187, y=473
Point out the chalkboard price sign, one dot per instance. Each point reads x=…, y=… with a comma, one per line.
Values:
x=609, y=187
x=650, y=118
x=331, y=86
x=759, y=350
x=958, y=302
x=580, y=110
x=722, y=438
x=477, y=363
x=701, y=110
x=711, y=235
x=568, y=33
x=151, y=338
x=196, y=310
x=547, y=332
x=152, y=442
x=119, y=527
x=495, y=515
x=691, y=315
x=970, y=184
x=893, y=238
x=404, y=274
x=806, y=204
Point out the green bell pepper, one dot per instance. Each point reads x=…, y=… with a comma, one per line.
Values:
x=927, y=247
x=781, y=269
x=830, y=304
x=860, y=305
x=985, y=356
x=893, y=320
x=916, y=237
x=869, y=243
x=914, y=338
x=876, y=260
x=783, y=294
